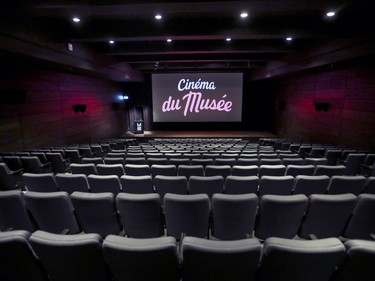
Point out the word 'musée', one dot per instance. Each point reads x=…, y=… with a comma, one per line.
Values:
x=195, y=103
x=195, y=85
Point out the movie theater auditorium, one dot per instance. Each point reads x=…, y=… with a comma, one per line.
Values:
x=262, y=173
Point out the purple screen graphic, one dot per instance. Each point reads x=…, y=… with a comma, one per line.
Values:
x=197, y=97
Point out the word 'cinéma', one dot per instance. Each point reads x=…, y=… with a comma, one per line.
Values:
x=195, y=85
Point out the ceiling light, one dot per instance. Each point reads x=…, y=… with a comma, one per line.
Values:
x=158, y=17
x=244, y=15
x=289, y=39
x=228, y=39
x=331, y=14
x=111, y=42
x=169, y=40
x=75, y=19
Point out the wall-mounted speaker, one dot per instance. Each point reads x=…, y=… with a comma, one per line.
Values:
x=83, y=108
x=79, y=108
x=322, y=106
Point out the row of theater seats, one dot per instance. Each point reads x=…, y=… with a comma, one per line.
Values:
x=43, y=256
x=238, y=179
x=244, y=151
x=198, y=168
x=241, y=166
x=224, y=216
x=163, y=183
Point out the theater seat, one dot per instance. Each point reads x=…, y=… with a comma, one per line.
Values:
x=369, y=186
x=170, y=184
x=7, y=180
x=218, y=170
x=96, y=212
x=359, y=261
x=86, y=169
x=13, y=213
x=71, y=257
x=137, y=184
x=276, y=185
x=327, y=215
x=241, y=184
x=326, y=170
x=346, y=184
x=213, y=260
x=233, y=216
x=280, y=215
x=72, y=182
x=151, y=259
x=99, y=183
x=18, y=261
x=361, y=224
x=187, y=214
x=190, y=170
x=140, y=214
x=40, y=182
x=208, y=185
x=308, y=185
x=300, y=260
x=110, y=169
x=52, y=211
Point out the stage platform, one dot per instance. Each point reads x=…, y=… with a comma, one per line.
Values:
x=247, y=135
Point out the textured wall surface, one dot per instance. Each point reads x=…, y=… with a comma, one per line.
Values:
x=350, y=119
x=47, y=118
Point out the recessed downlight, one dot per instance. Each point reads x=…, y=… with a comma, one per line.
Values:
x=244, y=15
x=158, y=16
x=330, y=14
x=228, y=39
x=288, y=38
x=76, y=19
x=111, y=42
x=169, y=40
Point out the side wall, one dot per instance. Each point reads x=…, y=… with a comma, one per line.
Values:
x=350, y=120
x=47, y=118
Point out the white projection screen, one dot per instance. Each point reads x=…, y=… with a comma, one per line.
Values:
x=197, y=97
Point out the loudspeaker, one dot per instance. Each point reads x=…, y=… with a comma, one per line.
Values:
x=79, y=108
x=12, y=96
x=83, y=108
x=322, y=106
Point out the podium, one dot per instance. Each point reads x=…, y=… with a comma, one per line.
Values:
x=138, y=125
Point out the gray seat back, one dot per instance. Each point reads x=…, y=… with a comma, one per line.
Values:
x=141, y=214
x=74, y=257
x=187, y=214
x=308, y=260
x=233, y=216
x=96, y=212
x=142, y=259
x=212, y=260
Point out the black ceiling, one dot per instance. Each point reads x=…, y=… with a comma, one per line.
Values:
x=198, y=31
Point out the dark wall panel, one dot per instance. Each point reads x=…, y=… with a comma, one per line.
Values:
x=350, y=120
x=46, y=117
